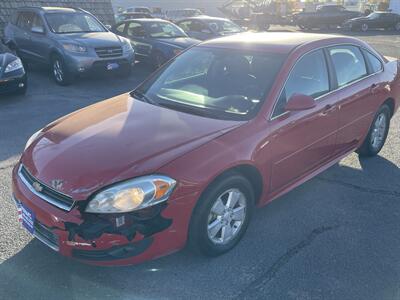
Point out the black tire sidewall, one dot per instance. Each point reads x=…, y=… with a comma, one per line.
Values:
x=198, y=235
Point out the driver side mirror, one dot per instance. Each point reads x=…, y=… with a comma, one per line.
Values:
x=37, y=29
x=299, y=102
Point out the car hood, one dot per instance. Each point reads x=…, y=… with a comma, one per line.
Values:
x=95, y=39
x=181, y=42
x=115, y=140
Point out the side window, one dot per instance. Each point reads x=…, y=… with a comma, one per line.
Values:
x=37, y=21
x=120, y=28
x=25, y=20
x=308, y=77
x=376, y=64
x=185, y=25
x=349, y=64
x=135, y=30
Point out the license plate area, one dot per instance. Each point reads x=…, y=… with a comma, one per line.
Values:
x=28, y=220
x=112, y=66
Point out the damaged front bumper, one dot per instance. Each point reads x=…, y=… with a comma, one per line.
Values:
x=115, y=239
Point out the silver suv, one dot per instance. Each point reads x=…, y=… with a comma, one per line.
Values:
x=72, y=41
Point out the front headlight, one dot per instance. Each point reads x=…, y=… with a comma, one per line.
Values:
x=14, y=65
x=74, y=48
x=132, y=195
x=127, y=47
x=32, y=138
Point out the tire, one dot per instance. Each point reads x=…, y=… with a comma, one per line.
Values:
x=59, y=71
x=364, y=27
x=201, y=226
x=377, y=134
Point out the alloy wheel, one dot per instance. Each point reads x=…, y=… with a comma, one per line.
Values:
x=379, y=131
x=364, y=27
x=58, y=70
x=227, y=216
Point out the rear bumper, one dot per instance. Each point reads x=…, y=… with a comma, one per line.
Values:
x=90, y=239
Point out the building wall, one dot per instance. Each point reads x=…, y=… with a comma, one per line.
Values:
x=100, y=8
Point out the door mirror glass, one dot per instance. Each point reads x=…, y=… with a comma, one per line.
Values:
x=37, y=29
x=300, y=102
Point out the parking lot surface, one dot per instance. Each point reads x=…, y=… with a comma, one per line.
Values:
x=335, y=237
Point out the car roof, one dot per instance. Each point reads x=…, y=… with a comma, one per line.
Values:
x=146, y=20
x=53, y=9
x=282, y=42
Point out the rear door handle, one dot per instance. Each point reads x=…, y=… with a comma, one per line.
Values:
x=328, y=109
x=374, y=88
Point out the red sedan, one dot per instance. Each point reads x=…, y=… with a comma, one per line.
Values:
x=226, y=126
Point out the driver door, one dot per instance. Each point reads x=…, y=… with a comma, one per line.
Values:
x=302, y=141
x=136, y=32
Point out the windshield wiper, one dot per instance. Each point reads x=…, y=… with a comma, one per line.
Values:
x=141, y=96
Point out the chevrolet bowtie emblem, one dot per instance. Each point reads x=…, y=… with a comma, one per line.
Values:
x=37, y=186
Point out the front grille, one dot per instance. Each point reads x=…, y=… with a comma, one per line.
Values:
x=109, y=52
x=46, y=236
x=46, y=193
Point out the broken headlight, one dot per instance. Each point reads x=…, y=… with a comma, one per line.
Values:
x=132, y=195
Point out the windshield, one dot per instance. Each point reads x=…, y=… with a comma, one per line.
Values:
x=73, y=23
x=217, y=83
x=222, y=26
x=164, y=30
x=373, y=16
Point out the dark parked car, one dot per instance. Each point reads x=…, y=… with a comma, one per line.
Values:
x=326, y=16
x=205, y=28
x=155, y=40
x=138, y=9
x=375, y=20
x=133, y=15
x=175, y=15
x=72, y=41
x=12, y=73
x=226, y=126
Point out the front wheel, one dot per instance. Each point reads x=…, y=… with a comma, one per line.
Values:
x=377, y=134
x=221, y=216
x=60, y=72
x=364, y=27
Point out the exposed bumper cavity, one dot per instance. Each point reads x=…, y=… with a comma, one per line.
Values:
x=114, y=253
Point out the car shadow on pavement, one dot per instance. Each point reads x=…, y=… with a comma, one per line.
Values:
x=278, y=235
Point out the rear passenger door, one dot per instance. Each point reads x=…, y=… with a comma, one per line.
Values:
x=358, y=94
x=302, y=141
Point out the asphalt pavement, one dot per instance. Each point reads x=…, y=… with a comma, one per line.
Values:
x=335, y=237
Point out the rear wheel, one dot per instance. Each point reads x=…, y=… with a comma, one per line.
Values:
x=221, y=216
x=364, y=27
x=60, y=72
x=377, y=134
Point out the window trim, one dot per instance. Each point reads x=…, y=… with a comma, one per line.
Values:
x=271, y=116
x=337, y=88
